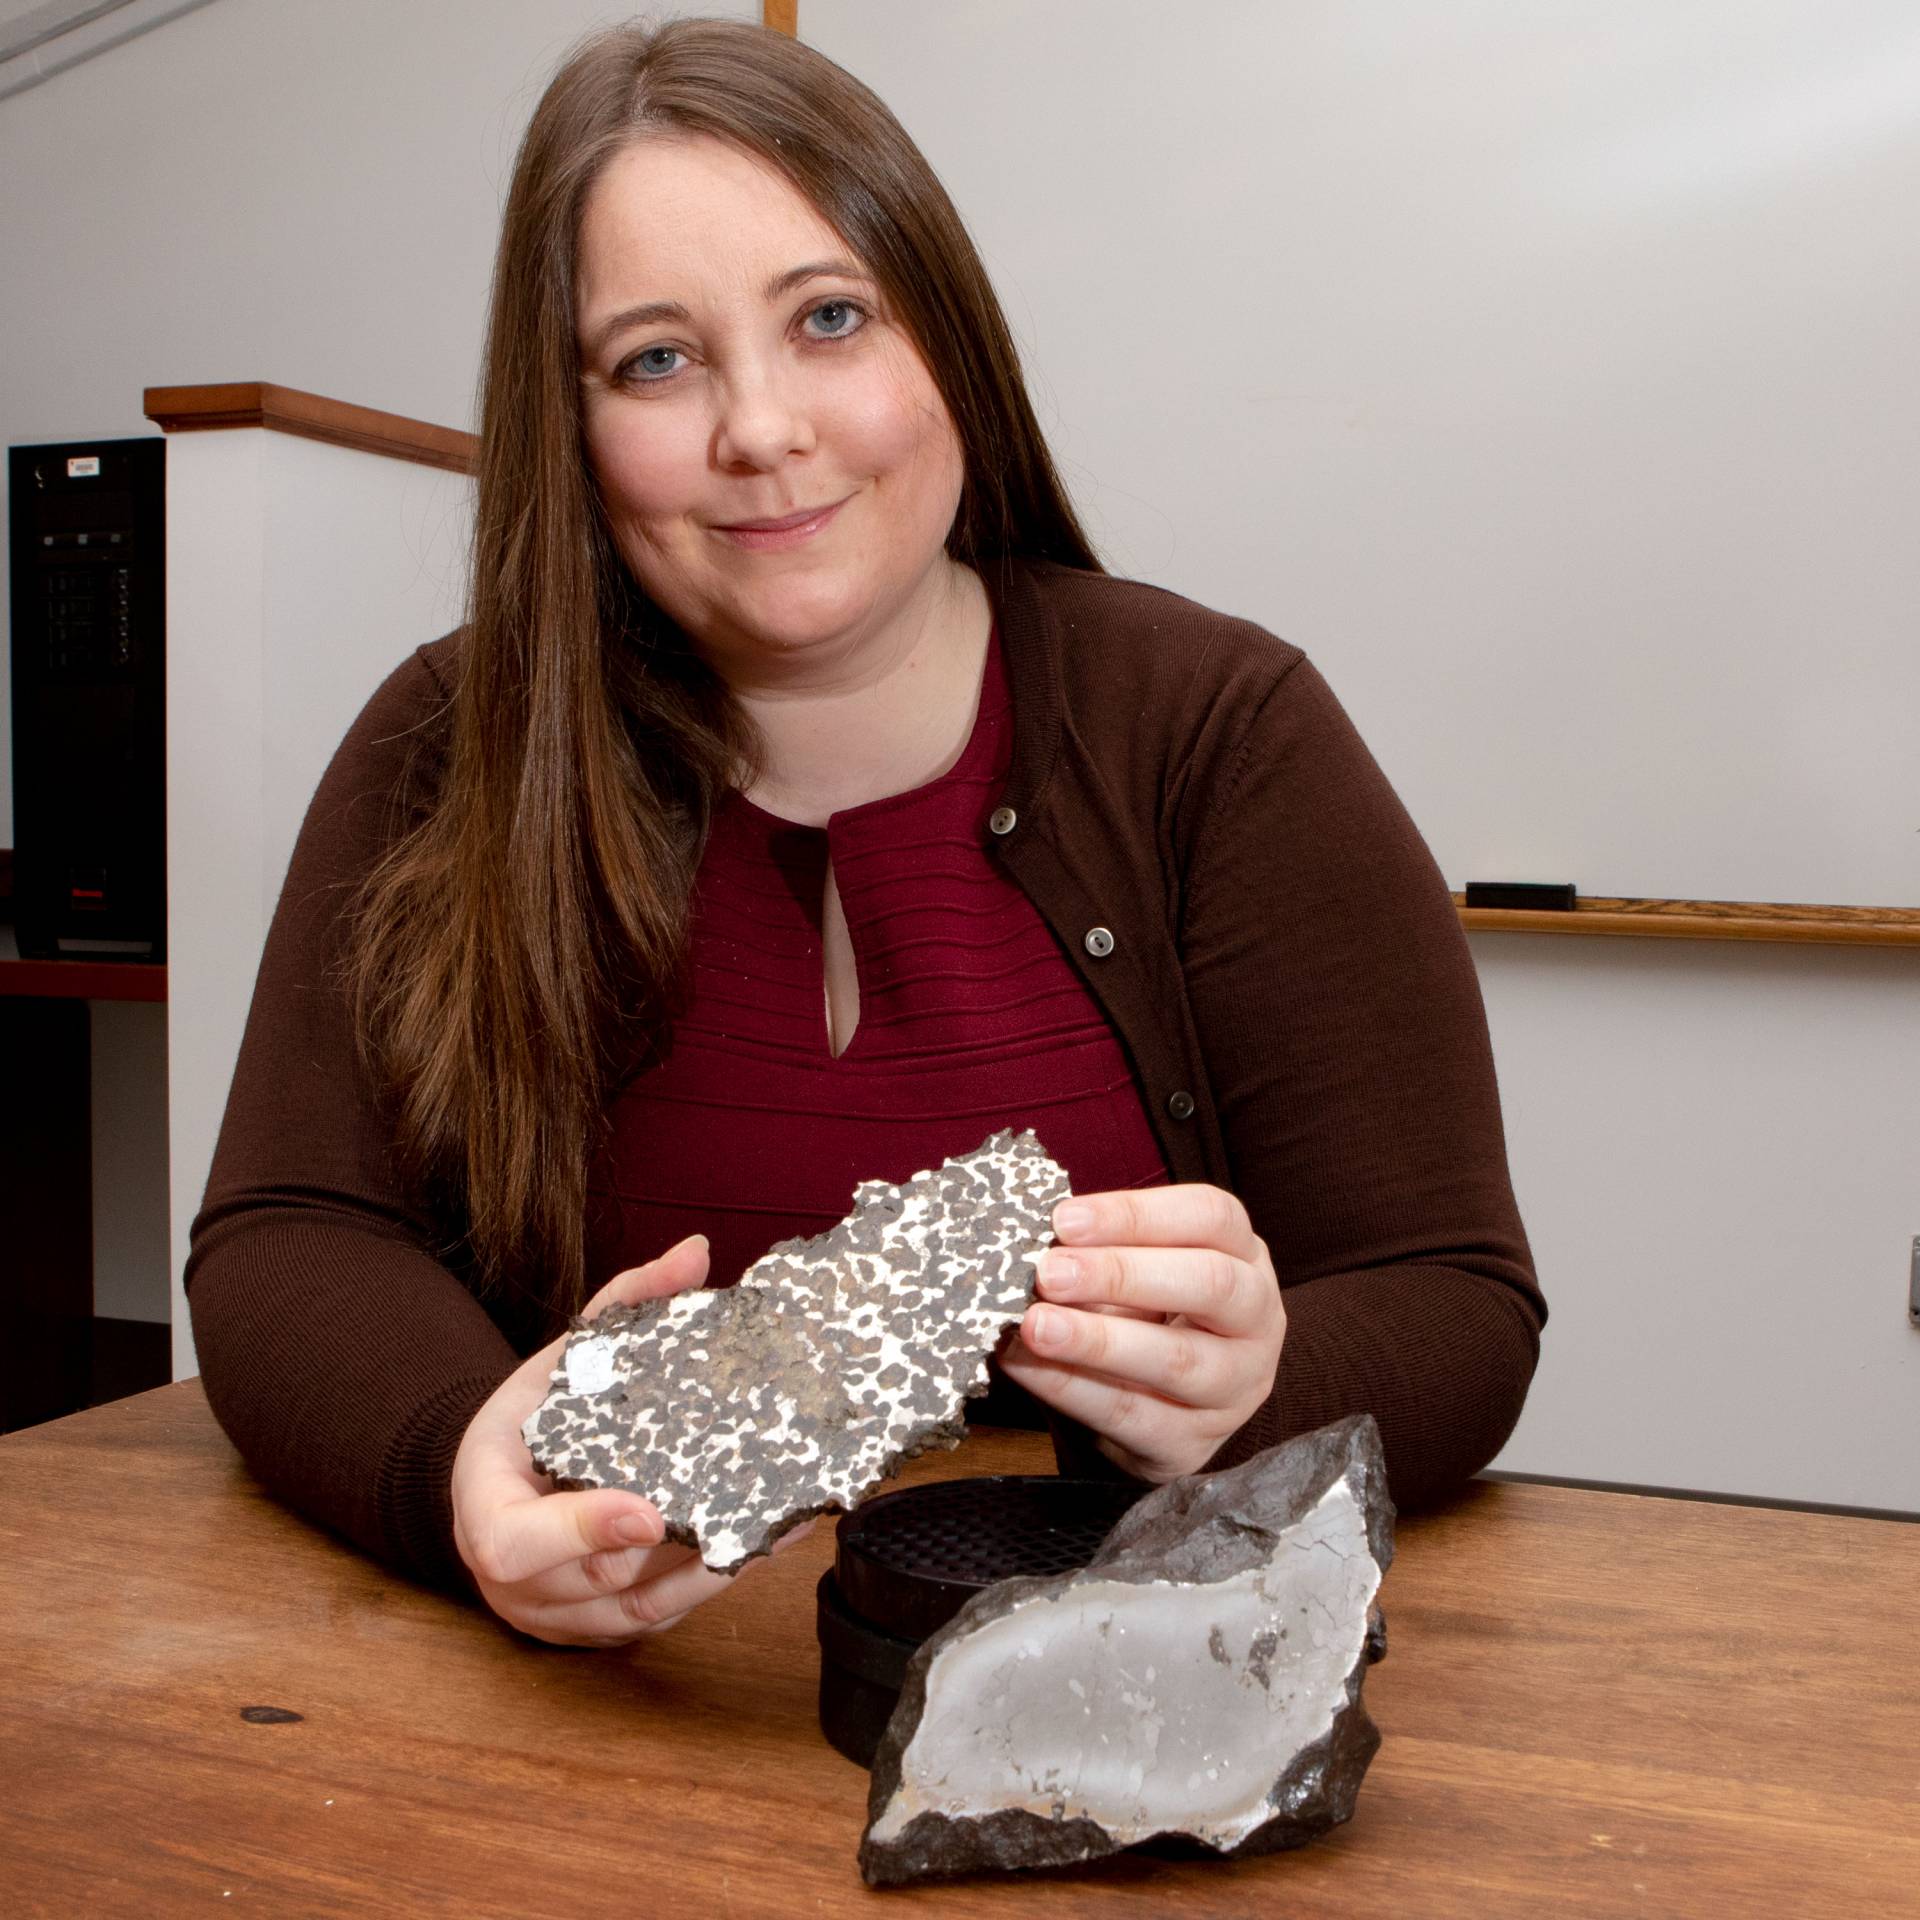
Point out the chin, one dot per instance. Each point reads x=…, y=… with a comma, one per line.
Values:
x=796, y=618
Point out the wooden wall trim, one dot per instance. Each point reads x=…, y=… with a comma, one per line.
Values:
x=258, y=403
x=783, y=16
x=1708, y=920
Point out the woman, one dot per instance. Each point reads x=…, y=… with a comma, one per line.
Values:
x=800, y=804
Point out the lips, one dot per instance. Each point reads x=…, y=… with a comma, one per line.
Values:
x=789, y=530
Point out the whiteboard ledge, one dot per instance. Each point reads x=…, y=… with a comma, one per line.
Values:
x=1708, y=920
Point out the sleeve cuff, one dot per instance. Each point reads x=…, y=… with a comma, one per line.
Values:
x=416, y=1485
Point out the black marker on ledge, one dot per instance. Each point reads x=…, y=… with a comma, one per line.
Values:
x=1521, y=896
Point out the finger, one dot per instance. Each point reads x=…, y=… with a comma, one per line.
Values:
x=1212, y=1289
x=596, y=1574
x=1138, y=1420
x=612, y=1570
x=682, y=1266
x=1183, y=1364
x=595, y=1623
x=646, y=1607
x=1185, y=1216
x=529, y=1533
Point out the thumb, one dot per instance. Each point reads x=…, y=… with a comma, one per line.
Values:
x=676, y=1270
x=679, y=1268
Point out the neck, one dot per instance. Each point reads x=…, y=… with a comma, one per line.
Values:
x=886, y=714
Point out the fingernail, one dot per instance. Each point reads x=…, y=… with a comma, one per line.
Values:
x=1059, y=1272
x=1071, y=1218
x=692, y=1239
x=637, y=1530
x=1044, y=1328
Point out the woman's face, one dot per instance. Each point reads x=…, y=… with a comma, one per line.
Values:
x=778, y=467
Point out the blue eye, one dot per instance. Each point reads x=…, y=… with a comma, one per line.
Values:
x=837, y=319
x=652, y=363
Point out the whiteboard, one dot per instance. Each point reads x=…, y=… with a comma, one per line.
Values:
x=1548, y=369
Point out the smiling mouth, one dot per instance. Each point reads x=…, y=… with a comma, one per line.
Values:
x=787, y=531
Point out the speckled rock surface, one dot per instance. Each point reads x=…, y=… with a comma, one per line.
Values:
x=1198, y=1680
x=740, y=1413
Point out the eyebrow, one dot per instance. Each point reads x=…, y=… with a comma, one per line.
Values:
x=651, y=312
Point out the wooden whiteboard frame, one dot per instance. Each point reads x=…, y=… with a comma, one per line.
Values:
x=1708, y=920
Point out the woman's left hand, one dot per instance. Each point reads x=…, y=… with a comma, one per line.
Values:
x=1159, y=1325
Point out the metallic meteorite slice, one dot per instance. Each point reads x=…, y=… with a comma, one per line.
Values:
x=739, y=1413
x=1197, y=1681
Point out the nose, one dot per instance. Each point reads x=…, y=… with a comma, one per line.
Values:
x=763, y=420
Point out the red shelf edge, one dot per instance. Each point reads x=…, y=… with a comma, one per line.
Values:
x=82, y=980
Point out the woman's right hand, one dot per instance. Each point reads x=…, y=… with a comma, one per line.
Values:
x=583, y=1569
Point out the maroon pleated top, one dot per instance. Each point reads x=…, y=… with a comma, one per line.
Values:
x=750, y=1130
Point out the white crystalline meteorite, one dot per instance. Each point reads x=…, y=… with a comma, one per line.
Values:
x=1199, y=1679
x=741, y=1412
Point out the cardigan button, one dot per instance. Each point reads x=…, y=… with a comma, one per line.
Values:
x=1099, y=943
x=1003, y=820
x=1180, y=1105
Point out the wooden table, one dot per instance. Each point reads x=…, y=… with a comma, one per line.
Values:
x=1592, y=1704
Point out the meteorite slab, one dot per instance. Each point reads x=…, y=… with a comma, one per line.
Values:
x=1199, y=1678
x=741, y=1413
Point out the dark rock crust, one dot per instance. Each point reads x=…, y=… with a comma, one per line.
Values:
x=1198, y=1531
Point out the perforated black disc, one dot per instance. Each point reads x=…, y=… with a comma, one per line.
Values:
x=908, y=1561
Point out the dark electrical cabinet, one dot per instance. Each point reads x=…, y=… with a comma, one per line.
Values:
x=87, y=525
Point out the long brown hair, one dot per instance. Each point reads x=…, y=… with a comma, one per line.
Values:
x=520, y=943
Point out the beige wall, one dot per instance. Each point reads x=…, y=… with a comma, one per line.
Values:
x=1545, y=370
